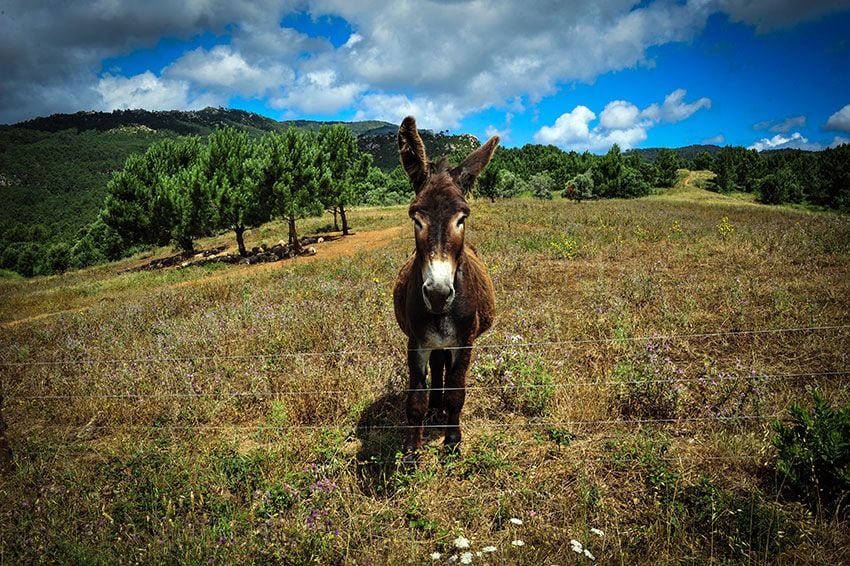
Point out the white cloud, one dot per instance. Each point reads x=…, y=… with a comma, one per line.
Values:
x=674, y=109
x=222, y=68
x=431, y=113
x=715, y=140
x=317, y=92
x=620, y=122
x=464, y=56
x=150, y=92
x=839, y=140
x=618, y=115
x=569, y=129
x=781, y=141
x=840, y=121
x=781, y=126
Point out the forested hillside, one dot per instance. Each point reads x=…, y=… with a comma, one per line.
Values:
x=55, y=173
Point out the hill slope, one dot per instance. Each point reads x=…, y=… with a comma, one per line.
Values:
x=254, y=413
x=54, y=170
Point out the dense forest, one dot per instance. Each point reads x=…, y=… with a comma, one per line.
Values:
x=113, y=184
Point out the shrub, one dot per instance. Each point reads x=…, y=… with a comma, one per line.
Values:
x=58, y=257
x=814, y=454
x=646, y=385
x=522, y=380
x=580, y=187
x=740, y=524
x=541, y=186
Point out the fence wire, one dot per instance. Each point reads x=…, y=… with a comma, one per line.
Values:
x=503, y=387
x=398, y=351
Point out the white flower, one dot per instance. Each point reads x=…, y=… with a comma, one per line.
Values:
x=589, y=555
x=516, y=521
x=453, y=558
x=436, y=556
x=576, y=546
x=489, y=549
x=466, y=558
x=461, y=543
x=597, y=532
x=518, y=543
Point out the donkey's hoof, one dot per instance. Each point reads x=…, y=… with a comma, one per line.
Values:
x=452, y=447
x=410, y=458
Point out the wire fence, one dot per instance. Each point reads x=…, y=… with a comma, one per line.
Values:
x=399, y=351
x=373, y=427
x=93, y=427
x=760, y=377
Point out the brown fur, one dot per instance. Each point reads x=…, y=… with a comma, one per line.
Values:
x=440, y=337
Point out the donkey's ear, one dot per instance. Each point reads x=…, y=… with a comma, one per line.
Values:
x=466, y=173
x=412, y=153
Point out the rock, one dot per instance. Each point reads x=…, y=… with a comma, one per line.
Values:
x=310, y=251
x=320, y=240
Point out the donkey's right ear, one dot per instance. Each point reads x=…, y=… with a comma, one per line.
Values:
x=411, y=150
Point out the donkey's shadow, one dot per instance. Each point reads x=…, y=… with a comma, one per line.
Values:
x=380, y=430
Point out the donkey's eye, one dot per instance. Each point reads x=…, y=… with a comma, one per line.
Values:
x=461, y=221
x=417, y=223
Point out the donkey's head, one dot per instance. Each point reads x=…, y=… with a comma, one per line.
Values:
x=439, y=211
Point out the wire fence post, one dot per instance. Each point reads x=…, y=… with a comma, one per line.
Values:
x=6, y=462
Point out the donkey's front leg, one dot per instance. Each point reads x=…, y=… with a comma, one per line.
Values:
x=417, y=399
x=455, y=394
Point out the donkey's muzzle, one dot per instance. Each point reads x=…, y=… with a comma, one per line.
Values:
x=438, y=296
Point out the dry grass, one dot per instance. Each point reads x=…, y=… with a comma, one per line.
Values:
x=246, y=413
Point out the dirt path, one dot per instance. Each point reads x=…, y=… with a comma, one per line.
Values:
x=342, y=247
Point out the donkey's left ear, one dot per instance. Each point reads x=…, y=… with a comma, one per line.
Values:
x=466, y=173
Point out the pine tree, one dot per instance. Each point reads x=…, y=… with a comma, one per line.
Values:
x=297, y=176
x=343, y=170
x=232, y=172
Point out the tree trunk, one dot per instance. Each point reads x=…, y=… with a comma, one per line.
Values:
x=345, y=231
x=293, y=236
x=336, y=225
x=240, y=240
x=186, y=244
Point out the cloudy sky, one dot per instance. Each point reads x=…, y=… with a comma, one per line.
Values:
x=579, y=74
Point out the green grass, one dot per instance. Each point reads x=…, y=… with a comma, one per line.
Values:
x=239, y=413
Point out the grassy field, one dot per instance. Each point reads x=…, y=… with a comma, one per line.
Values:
x=237, y=414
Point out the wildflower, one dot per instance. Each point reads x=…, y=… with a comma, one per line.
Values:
x=576, y=546
x=436, y=556
x=466, y=558
x=597, y=532
x=516, y=521
x=589, y=555
x=489, y=549
x=518, y=543
x=461, y=543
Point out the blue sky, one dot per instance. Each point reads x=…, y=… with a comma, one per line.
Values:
x=581, y=75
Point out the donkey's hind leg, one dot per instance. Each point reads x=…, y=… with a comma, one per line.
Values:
x=438, y=363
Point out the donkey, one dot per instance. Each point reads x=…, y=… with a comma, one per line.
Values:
x=443, y=296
